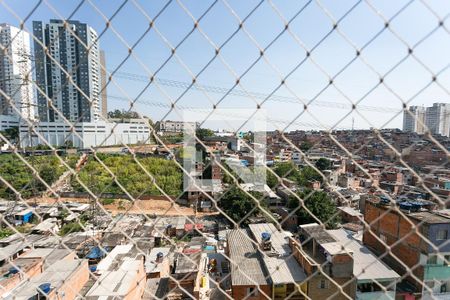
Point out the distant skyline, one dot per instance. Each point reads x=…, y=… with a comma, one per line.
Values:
x=360, y=24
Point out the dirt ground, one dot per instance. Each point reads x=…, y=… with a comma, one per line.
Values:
x=149, y=207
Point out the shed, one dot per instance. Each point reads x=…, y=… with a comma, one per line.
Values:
x=25, y=216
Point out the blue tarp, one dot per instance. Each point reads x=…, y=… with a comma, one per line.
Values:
x=96, y=253
x=27, y=217
x=244, y=162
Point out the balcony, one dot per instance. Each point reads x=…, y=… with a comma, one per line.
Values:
x=375, y=295
x=435, y=296
x=438, y=272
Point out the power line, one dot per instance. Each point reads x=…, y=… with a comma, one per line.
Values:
x=248, y=94
x=154, y=103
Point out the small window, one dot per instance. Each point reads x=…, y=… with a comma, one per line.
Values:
x=432, y=260
x=447, y=260
x=441, y=234
x=252, y=292
x=323, y=284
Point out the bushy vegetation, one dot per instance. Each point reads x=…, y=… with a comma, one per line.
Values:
x=323, y=164
x=20, y=176
x=319, y=203
x=202, y=133
x=5, y=232
x=108, y=201
x=236, y=204
x=72, y=160
x=122, y=114
x=130, y=175
x=69, y=228
x=300, y=176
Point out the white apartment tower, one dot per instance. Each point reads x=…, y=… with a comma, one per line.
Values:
x=72, y=49
x=15, y=73
x=438, y=118
x=414, y=119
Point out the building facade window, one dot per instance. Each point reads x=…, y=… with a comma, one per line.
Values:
x=441, y=234
x=323, y=284
x=432, y=260
x=252, y=292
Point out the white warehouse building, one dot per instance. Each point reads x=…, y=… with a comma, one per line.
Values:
x=86, y=134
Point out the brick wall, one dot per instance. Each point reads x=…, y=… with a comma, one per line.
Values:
x=390, y=228
x=35, y=268
x=73, y=285
x=240, y=292
x=315, y=292
x=138, y=284
x=308, y=268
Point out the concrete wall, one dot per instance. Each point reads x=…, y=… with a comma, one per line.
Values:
x=86, y=134
x=7, y=121
x=443, y=245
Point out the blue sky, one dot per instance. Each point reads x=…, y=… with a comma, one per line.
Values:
x=130, y=23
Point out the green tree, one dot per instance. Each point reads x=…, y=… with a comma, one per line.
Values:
x=202, y=133
x=306, y=175
x=12, y=134
x=123, y=114
x=272, y=180
x=47, y=173
x=305, y=146
x=323, y=164
x=287, y=170
x=237, y=204
x=320, y=205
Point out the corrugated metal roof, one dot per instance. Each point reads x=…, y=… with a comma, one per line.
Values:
x=246, y=262
x=278, y=239
x=350, y=211
x=282, y=268
x=116, y=283
x=56, y=275
x=366, y=265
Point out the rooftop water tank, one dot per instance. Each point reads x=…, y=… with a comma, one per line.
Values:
x=44, y=288
x=265, y=236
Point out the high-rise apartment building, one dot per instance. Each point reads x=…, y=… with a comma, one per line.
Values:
x=15, y=73
x=64, y=49
x=438, y=118
x=414, y=119
x=104, y=102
